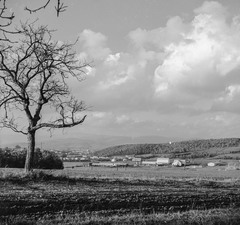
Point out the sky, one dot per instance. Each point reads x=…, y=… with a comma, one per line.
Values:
x=163, y=68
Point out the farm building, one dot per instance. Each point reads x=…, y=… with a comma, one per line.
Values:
x=179, y=162
x=104, y=164
x=137, y=161
x=211, y=164
x=129, y=157
x=102, y=158
x=84, y=159
x=120, y=164
x=116, y=159
x=218, y=163
x=163, y=161
x=72, y=158
x=149, y=163
x=94, y=157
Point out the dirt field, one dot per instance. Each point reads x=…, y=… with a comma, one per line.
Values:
x=112, y=195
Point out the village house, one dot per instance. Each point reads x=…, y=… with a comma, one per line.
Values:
x=163, y=161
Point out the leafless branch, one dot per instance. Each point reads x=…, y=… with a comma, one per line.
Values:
x=6, y=20
x=33, y=76
x=54, y=126
x=37, y=9
x=60, y=7
x=11, y=125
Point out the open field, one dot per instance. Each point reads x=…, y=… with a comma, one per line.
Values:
x=150, y=172
x=85, y=195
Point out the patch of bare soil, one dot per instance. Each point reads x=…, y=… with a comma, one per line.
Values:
x=41, y=197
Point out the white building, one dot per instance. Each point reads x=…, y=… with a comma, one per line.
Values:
x=149, y=163
x=163, y=161
x=179, y=162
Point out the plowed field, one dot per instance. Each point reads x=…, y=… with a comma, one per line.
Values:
x=35, y=198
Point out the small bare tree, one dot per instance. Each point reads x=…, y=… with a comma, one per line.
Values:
x=34, y=76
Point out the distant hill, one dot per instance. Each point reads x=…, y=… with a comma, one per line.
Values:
x=187, y=149
x=92, y=142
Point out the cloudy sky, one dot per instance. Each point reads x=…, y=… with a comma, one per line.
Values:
x=168, y=68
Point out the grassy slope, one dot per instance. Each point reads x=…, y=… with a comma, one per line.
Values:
x=187, y=149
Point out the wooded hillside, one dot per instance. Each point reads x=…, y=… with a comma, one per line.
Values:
x=190, y=149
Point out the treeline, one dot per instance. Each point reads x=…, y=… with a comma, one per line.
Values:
x=188, y=148
x=15, y=158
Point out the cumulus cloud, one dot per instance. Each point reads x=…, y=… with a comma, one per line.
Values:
x=113, y=60
x=183, y=68
x=159, y=37
x=94, y=44
x=203, y=62
x=212, y=8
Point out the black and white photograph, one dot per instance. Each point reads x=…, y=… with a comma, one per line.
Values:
x=119, y=112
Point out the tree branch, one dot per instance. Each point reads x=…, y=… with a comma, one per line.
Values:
x=60, y=7
x=6, y=22
x=63, y=125
x=37, y=9
x=11, y=125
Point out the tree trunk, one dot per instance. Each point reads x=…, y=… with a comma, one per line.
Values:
x=30, y=152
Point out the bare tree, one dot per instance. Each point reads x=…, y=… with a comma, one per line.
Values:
x=34, y=75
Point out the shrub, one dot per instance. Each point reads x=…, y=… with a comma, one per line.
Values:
x=49, y=160
x=42, y=159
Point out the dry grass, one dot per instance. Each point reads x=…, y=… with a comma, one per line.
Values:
x=193, y=217
x=215, y=180
x=153, y=173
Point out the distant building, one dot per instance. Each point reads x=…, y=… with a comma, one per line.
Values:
x=163, y=161
x=218, y=163
x=149, y=163
x=104, y=164
x=137, y=161
x=120, y=164
x=94, y=157
x=179, y=162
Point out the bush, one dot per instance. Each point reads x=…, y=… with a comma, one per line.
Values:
x=49, y=160
x=42, y=159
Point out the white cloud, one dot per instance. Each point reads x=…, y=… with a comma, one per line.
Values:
x=90, y=71
x=189, y=67
x=212, y=8
x=99, y=114
x=122, y=119
x=119, y=70
x=113, y=59
x=159, y=37
x=114, y=80
x=202, y=64
x=233, y=90
x=94, y=44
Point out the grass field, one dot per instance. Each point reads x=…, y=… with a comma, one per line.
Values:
x=148, y=195
x=151, y=172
